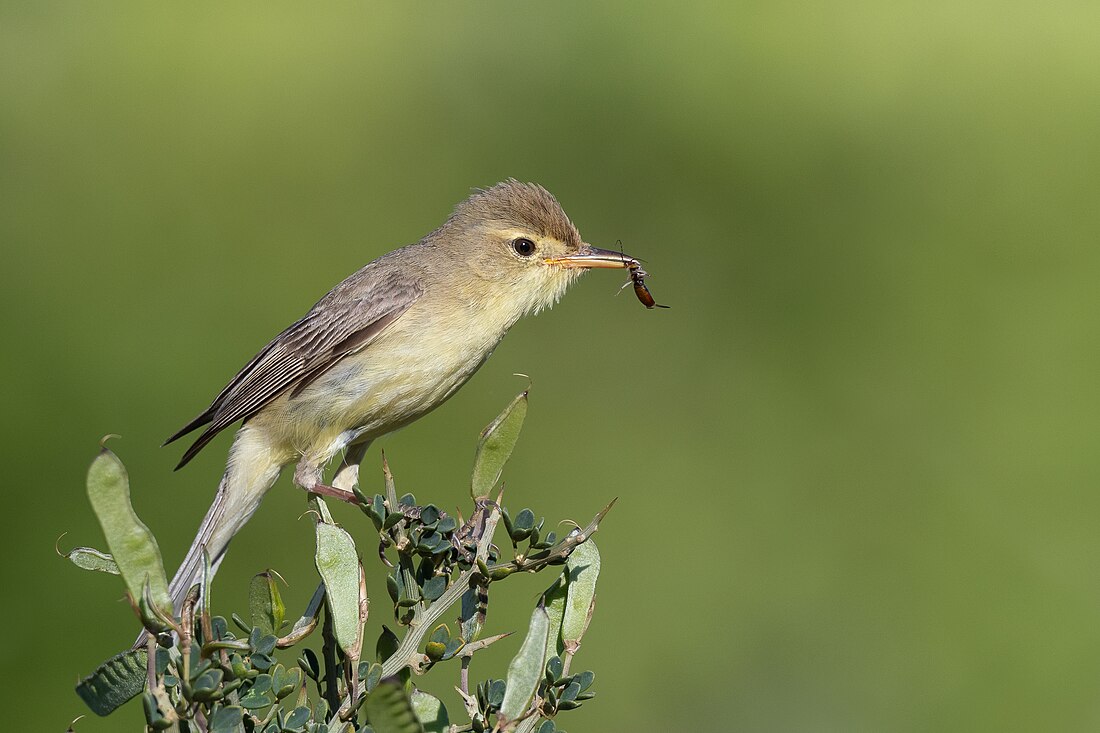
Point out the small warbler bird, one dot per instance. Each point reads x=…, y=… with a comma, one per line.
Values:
x=383, y=348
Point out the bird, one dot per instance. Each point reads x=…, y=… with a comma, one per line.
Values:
x=383, y=348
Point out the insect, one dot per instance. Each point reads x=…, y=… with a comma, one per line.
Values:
x=637, y=279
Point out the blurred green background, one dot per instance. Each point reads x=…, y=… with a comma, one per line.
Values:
x=856, y=461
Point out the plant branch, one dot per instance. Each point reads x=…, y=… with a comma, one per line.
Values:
x=335, y=493
x=424, y=618
x=557, y=553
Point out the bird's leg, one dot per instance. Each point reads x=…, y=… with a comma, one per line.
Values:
x=347, y=475
x=307, y=475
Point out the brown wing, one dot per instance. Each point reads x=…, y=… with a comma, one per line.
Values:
x=342, y=323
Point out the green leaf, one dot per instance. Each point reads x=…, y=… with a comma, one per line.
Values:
x=430, y=712
x=443, y=545
x=89, y=558
x=241, y=623
x=392, y=587
x=471, y=616
x=338, y=564
x=205, y=688
x=114, y=682
x=495, y=445
x=372, y=677
x=525, y=520
x=495, y=694
x=297, y=718
x=554, y=601
x=279, y=681
x=261, y=642
x=265, y=603
x=554, y=668
x=434, y=588
x=526, y=668
x=440, y=634
x=429, y=515
x=374, y=508
x=387, y=644
x=132, y=545
x=582, y=570
x=389, y=709
x=226, y=719
x=427, y=542
x=255, y=701
x=219, y=628
x=309, y=664
x=198, y=664
x=320, y=710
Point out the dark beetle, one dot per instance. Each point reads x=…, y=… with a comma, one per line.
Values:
x=637, y=277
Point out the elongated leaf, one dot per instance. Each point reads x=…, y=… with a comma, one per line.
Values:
x=114, y=682
x=494, y=447
x=338, y=564
x=266, y=604
x=526, y=668
x=132, y=545
x=582, y=569
x=430, y=712
x=475, y=603
x=89, y=558
x=389, y=710
x=554, y=601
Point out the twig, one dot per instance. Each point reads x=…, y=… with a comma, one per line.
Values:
x=536, y=561
x=151, y=662
x=476, y=646
x=335, y=493
x=464, y=676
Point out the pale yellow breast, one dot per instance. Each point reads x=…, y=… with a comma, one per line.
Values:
x=414, y=366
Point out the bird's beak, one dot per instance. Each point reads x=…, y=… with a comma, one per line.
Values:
x=588, y=256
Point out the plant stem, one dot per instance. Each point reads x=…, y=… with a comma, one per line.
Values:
x=335, y=493
x=464, y=676
x=423, y=620
x=151, y=662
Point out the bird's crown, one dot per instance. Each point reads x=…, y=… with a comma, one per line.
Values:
x=521, y=205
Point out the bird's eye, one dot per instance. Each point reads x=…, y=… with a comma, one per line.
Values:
x=523, y=246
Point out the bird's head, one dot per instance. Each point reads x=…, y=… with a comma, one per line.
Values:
x=519, y=248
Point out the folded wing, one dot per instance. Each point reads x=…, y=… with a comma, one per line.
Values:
x=342, y=323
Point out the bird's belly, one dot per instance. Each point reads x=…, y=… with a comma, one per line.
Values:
x=367, y=396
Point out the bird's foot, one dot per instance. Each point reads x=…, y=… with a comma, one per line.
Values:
x=308, y=476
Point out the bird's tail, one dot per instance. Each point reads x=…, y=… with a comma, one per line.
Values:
x=252, y=470
x=190, y=570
